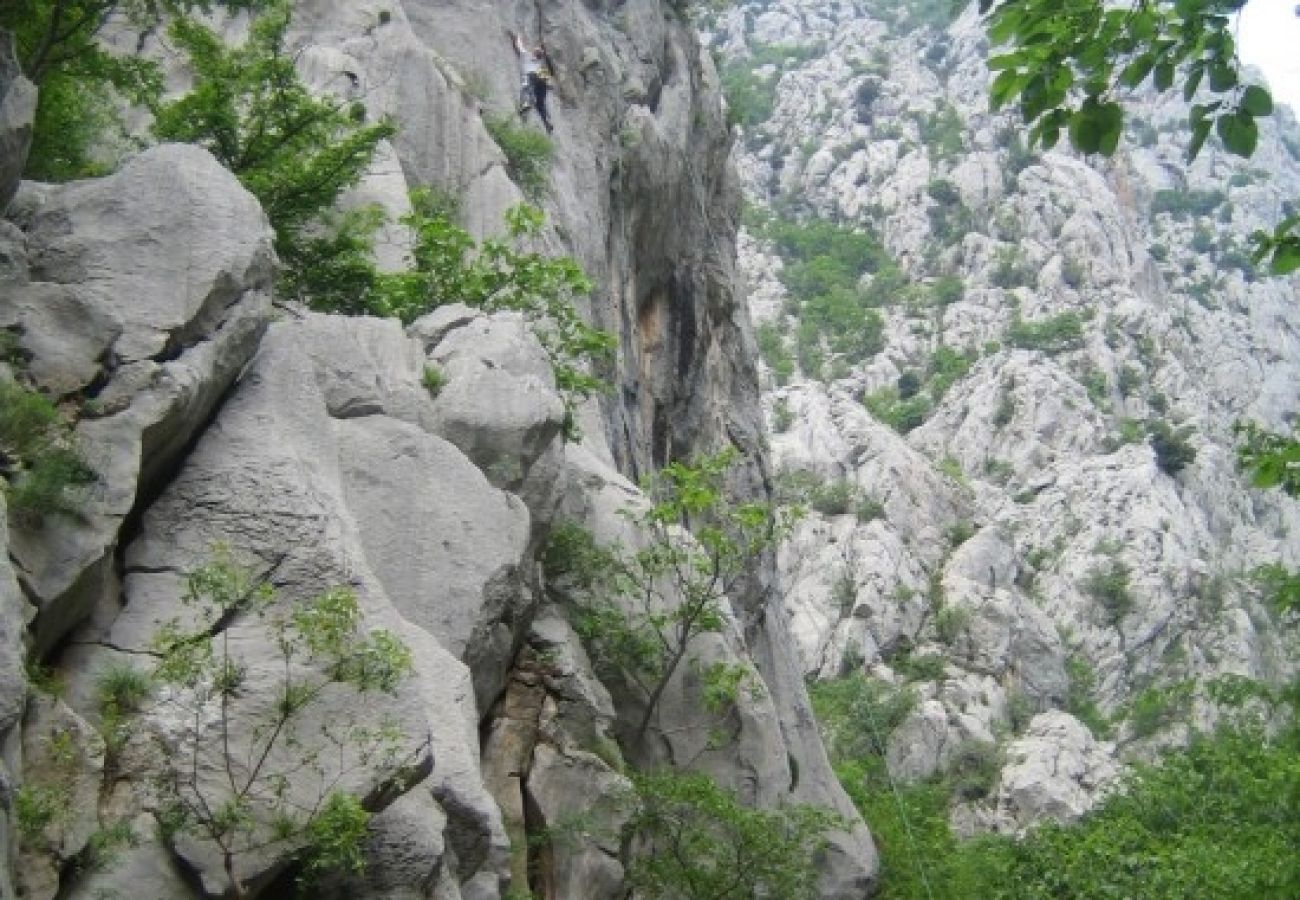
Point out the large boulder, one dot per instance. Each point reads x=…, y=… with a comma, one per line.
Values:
x=152, y=347
x=322, y=469
x=17, y=114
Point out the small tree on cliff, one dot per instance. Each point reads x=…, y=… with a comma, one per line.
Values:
x=293, y=151
x=249, y=773
x=639, y=613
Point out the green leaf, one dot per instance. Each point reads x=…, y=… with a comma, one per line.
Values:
x=1223, y=77
x=1194, y=75
x=1286, y=258
x=1096, y=127
x=1164, y=76
x=1200, y=131
x=1257, y=101
x=1137, y=71
x=1006, y=86
x=1238, y=132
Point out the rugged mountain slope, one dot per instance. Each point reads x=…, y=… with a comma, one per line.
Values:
x=1007, y=520
x=309, y=446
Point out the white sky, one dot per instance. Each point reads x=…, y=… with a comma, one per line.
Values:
x=1269, y=37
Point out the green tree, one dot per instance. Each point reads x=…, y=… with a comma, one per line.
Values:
x=264, y=751
x=496, y=274
x=1069, y=61
x=640, y=612
x=692, y=839
x=295, y=152
x=80, y=81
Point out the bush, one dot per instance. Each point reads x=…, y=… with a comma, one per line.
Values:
x=919, y=666
x=823, y=265
x=900, y=415
x=1156, y=709
x=1172, y=447
x=833, y=498
x=1109, y=585
x=973, y=771
x=694, y=840
x=942, y=131
x=293, y=151
x=947, y=290
x=433, y=379
x=1054, y=334
x=39, y=462
x=782, y=416
x=528, y=153
x=959, y=533
x=1010, y=269
x=1184, y=203
x=869, y=509
x=857, y=714
x=771, y=347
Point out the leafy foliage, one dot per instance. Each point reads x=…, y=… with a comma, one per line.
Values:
x=296, y=153
x=1220, y=818
x=750, y=83
x=1108, y=584
x=1068, y=62
x=697, y=841
x=39, y=462
x=528, y=153
x=824, y=263
x=639, y=612
x=495, y=275
x=1172, y=447
x=266, y=752
x=1272, y=459
x=1280, y=586
x=81, y=82
x=1053, y=334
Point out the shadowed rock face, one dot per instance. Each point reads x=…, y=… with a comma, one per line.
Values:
x=310, y=447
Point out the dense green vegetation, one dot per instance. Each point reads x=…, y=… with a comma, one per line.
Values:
x=295, y=152
x=824, y=265
x=80, y=82
x=1218, y=819
x=750, y=83
x=696, y=841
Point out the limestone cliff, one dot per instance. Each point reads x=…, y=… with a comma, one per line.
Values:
x=308, y=446
x=1008, y=522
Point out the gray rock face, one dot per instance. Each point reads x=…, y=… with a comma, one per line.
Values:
x=17, y=113
x=313, y=450
x=156, y=344
x=1033, y=471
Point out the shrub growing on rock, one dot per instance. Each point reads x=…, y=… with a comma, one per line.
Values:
x=693, y=839
x=295, y=152
x=640, y=612
x=279, y=762
x=40, y=465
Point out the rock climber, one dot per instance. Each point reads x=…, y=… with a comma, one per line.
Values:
x=536, y=70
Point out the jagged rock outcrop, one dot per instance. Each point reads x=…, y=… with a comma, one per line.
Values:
x=1024, y=537
x=313, y=449
x=148, y=349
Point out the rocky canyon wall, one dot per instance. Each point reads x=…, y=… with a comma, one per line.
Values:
x=308, y=448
